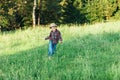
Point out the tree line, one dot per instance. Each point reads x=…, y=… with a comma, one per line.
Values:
x=21, y=13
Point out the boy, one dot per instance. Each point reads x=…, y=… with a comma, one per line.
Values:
x=54, y=37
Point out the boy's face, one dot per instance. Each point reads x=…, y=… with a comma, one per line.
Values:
x=53, y=28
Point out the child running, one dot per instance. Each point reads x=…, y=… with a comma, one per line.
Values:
x=54, y=37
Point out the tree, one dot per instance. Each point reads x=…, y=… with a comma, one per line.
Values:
x=33, y=14
x=98, y=10
x=19, y=13
x=50, y=11
x=16, y=13
x=71, y=11
x=38, y=11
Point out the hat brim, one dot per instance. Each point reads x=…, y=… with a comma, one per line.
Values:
x=53, y=26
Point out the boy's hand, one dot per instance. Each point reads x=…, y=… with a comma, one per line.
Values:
x=61, y=42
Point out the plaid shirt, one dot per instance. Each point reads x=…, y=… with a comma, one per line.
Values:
x=54, y=36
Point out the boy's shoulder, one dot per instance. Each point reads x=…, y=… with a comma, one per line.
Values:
x=57, y=30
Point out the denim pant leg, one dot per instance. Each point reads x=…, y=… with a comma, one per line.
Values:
x=54, y=47
x=50, y=50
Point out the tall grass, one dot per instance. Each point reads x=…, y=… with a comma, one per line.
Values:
x=89, y=52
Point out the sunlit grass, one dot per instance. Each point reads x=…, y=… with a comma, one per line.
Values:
x=88, y=52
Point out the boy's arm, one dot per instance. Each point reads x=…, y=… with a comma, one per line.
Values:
x=60, y=37
x=48, y=37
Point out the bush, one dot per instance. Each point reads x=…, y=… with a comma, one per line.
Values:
x=3, y=21
x=116, y=17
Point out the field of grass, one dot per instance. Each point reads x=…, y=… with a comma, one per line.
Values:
x=89, y=52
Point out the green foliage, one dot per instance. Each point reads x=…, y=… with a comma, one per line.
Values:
x=99, y=10
x=71, y=12
x=50, y=11
x=16, y=13
x=116, y=17
x=3, y=21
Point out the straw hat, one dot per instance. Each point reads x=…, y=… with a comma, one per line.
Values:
x=53, y=25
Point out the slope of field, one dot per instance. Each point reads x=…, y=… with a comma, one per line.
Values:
x=89, y=52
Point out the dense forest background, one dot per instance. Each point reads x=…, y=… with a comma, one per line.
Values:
x=19, y=13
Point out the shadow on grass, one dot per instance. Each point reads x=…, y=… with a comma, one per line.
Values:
x=78, y=58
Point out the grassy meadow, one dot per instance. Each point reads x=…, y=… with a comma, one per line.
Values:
x=88, y=52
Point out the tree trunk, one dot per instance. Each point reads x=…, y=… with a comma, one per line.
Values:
x=39, y=19
x=33, y=14
x=39, y=14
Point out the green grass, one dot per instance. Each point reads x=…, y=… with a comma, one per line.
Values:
x=89, y=52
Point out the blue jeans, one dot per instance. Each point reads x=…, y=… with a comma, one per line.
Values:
x=52, y=48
